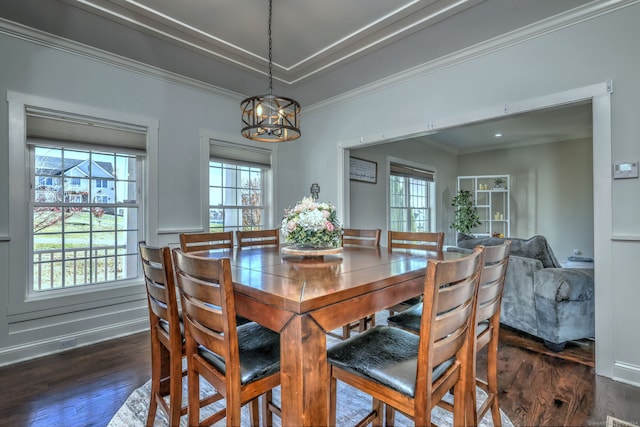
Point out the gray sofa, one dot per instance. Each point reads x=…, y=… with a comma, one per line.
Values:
x=540, y=297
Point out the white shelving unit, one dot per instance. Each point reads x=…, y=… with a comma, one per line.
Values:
x=492, y=202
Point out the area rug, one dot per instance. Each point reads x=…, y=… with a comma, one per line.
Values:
x=352, y=406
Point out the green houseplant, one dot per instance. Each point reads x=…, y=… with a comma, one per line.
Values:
x=465, y=213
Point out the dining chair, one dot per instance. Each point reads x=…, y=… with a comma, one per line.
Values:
x=241, y=362
x=369, y=238
x=167, y=337
x=191, y=242
x=361, y=237
x=496, y=260
x=426, y=241
x=249, y=238
x=412, y=373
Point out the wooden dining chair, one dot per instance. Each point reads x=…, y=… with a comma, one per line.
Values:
x=191, y=242
x=167, y=340
x=240, y=362
x=433, y=242
x=415, y=240
x=496, y=260
x=361, y=237
x=412, y=373
x=249, y=238
x=366, y=238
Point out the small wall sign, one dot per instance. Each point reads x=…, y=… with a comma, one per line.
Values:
x=363, y=170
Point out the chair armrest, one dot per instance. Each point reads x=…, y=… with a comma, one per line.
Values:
x=564, y=284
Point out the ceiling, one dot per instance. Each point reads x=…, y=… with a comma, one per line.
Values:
x=320, y=48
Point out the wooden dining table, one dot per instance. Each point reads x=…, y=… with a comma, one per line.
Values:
x=303, y=298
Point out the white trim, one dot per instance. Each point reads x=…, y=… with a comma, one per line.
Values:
x=627, y=373
x=4, y=238
x=52, y=41
x=572, y=17
x=626, y=237
x=31, y=350
x=599, y=94
x=20, y=305
x=270, y=196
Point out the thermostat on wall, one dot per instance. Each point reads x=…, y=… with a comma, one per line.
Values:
x=625, y=170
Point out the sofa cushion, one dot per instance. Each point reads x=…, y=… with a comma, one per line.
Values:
x=536, y=247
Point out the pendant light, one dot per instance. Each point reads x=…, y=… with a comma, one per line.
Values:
x=270, y=118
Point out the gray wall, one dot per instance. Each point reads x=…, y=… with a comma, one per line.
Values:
x=551, y=191
x=556, y=66
x=369, y=202
x=463, y=88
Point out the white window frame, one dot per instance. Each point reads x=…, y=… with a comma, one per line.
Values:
x=22, y=305
x=429, y=197
x=270, y=193
x=87, y=259
x=229, y=224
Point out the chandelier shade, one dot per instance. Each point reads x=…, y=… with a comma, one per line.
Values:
x=270, y=118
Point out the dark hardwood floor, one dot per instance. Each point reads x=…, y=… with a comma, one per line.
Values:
x=86, y=386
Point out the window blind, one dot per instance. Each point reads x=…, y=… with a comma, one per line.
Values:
x=46, y=125
x=239, y=154
x=398, y=169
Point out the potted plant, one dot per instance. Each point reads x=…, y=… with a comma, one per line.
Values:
x=465, y=212
x=499, y=182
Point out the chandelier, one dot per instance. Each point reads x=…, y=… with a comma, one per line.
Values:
x=270, y=118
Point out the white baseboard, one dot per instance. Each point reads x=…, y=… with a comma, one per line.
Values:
x=626, y=373
x=11, y=355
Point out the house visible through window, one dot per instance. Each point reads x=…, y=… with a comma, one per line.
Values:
x=411, y=207
x=238, y=184
x=86, y=205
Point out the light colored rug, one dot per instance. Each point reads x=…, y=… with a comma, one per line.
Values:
x=352, y=405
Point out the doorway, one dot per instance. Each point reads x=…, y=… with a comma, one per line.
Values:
x=599, y=95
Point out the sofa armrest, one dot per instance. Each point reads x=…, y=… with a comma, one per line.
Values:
x=459, y=250
x=564, y=284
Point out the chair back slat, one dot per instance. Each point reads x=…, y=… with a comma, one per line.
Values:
x=191, y=242
x=409, y=240
x=361, y=237
x=447, y=323
x=496, y=260
x=208, y=306
x=159, y=282
x=258, y=238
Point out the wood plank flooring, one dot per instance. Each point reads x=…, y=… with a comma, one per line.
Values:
x=86, y=386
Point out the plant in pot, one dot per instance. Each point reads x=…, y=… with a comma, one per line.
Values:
x=499, y=182
x=465, y=213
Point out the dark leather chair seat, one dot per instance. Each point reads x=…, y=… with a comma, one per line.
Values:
x=259, y=350
x=385, y=354
x=409, y=320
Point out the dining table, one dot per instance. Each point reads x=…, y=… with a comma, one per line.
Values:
x=304, y=297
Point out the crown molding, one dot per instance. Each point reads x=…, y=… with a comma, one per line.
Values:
x=558, y=22
x=62, y=44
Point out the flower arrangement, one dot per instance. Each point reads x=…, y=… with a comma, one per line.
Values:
x=311, y=224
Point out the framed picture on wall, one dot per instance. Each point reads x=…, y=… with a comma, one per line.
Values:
x=363, y=170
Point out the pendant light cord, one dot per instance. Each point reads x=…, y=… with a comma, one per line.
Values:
x=270, y=61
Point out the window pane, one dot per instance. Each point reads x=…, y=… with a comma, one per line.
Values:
x=79, y=224
x=230, y=188
x=409, y=201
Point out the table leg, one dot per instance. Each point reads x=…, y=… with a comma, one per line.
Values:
x=304, y=373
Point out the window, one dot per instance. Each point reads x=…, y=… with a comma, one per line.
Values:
x=82, y=233
x=238, y=185
x=411, y=205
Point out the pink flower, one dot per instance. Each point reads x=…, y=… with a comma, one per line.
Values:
x=328, y=226
x=291, y=225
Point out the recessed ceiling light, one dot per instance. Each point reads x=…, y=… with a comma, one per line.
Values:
x=498, y=135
